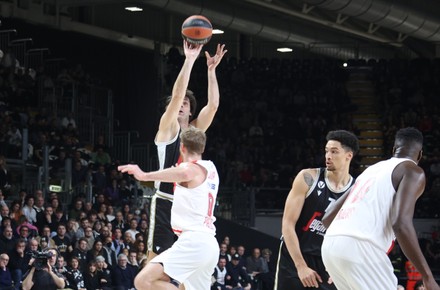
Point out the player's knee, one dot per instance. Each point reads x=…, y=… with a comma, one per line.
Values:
x=142, y=282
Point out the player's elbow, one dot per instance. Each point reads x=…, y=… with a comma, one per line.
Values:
x=400, y=226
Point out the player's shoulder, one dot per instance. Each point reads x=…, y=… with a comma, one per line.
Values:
x=312, y=172
x=410, y=170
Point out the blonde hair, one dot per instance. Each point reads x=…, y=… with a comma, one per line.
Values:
x=193, y=139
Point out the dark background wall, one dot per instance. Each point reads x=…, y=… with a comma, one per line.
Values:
x=130, y=72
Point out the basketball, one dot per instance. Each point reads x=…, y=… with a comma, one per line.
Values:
x=197, y=29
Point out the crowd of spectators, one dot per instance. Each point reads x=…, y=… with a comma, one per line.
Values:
x=272, y=121
x=408, y=92
x=100, y=244
x=236, y=269
x=92, y=239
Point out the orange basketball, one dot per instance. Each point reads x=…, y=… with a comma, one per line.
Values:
x=197, y=29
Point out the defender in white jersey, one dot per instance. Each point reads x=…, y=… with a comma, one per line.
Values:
x=365, y=221
x=192, y=258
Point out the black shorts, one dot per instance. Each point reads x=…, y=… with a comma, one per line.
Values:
x=287, y=276
x=160, y=234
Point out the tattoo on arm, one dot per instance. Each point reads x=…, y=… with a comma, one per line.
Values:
x=308, y=179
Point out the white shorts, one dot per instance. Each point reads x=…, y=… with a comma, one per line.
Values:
x=191, y=260
x=357, y=265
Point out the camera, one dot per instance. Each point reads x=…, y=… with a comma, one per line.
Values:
x=41, y=259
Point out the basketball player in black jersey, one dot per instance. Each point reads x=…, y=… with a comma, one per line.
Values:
x=178, y=115
x=313, y=190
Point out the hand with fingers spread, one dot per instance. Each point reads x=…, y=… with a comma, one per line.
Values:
x=213, y=61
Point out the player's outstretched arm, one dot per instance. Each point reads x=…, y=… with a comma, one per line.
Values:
x=185, y=172
x=207, y=113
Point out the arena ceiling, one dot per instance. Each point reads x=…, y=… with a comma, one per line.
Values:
x=409, y=27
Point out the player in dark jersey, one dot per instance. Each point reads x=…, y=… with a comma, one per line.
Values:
x=177, y=116
x=299, y=261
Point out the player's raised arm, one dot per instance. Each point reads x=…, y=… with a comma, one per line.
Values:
x=207, y=113
x=169, y=124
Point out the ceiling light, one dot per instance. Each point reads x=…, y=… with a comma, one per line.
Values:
x=217, y=31
x=284, y=49
x=134, y=9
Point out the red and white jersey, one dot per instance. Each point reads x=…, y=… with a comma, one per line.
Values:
x=193, y=208
x=366, y=213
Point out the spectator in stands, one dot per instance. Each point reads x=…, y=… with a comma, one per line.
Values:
x=110, y=215
x=46, y=233
x=57, y=206
x=100, y=179
x=4, y=207
x=5, y=274
x=91, y=278
x=71, y=229
x=118, y=242
x=88, y=235
x=47, y=219
x=256, y=265
x=133, y=228
x=62, y=242
x=77, y=208
x=124, y=274
x=104, y=273
x=112, y=192
x=125, y=190
x=24, y=232
x=80, y=252
x=269, y=277
x=132, y=258
x=224, y=252
x=100, y=157
x=83, y=224
x=7, y=240
x=97, y=225
x=240, y=251
x=18, y=262
x=239, y=277
x=39, y=204
x=143, y=228
x=74, y=275
x=220, y=275
x=60, y=217
x=15, y=211
x=98, y=250
x=28, y=209
x=119, y=221
x=102, y=213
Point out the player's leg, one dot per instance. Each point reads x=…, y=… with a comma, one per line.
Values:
x=153, y=277
x=206, y=259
